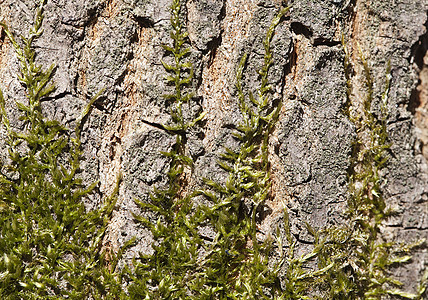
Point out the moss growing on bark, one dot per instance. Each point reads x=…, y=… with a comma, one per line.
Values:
x=237, y=262
x=362, y=257
x=50, y=246
x=172, y=272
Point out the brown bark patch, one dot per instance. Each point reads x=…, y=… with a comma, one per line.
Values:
x=217, y=78
x=421, y=107
x=4, y=45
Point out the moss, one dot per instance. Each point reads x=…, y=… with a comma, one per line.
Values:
x=172, y=272
x=235, y=263
x=231, y=259
x=362, y=257
x=50, y=246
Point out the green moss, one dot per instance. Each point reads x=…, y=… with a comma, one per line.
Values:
x=235, y=264
x=172, y=272
x=50, y=246
x=362, y=257
x=238, y=261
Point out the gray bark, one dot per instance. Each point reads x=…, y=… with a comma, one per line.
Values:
x=116, y=45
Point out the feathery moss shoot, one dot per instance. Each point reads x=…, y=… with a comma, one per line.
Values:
x=50, y=246
x=172, y=272
x=361, y=255
x=237, y=263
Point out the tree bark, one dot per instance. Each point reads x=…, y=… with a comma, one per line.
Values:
x=117, y=45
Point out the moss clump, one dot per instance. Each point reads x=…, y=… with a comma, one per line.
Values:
x=172, y=271
x=235, y=264
x=50, y=246
x=361, y=255
x=237, y=261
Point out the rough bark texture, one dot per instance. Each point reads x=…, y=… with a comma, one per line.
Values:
x=116, y=45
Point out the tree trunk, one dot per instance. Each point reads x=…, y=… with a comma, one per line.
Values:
x=116, y=45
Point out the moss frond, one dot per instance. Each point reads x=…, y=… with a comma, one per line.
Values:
x=50, y=246
x=361, y=257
